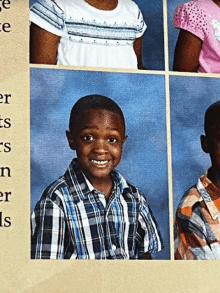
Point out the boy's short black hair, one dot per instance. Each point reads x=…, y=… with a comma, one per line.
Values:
x=211, y=115
x=93, y=102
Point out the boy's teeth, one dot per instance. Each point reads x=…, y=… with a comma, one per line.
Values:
x=99, y=162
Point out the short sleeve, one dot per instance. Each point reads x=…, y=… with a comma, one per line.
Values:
x=148, y=234
x=141, y=25
x=48, y=15
x=47, y=231
x=191, y=17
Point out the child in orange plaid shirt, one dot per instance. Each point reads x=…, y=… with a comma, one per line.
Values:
x=197, y=228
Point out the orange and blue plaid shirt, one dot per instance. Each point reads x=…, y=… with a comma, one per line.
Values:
x=73, y=220
x=197, y=227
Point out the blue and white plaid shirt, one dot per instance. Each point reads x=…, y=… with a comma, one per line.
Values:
x=73, y=220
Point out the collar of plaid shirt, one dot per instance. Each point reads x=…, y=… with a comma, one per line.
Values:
x=78, y=178
x=210, y=194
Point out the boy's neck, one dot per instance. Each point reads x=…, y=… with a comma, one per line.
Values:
x=104, y=186
x=103, y=4
x=214, y=176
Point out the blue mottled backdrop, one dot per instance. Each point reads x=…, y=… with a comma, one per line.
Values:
x=142, y=99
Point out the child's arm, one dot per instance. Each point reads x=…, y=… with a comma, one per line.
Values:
x=48, y=231
x=188, y=47
x=192, y=241
x=150, y=241
x=138, y=52
x=43, y=46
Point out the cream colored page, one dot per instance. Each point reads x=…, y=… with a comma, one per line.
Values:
x=18, y=272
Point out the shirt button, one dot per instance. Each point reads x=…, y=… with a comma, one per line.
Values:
x=113, y=247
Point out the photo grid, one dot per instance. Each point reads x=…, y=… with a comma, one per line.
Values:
x=148, y=102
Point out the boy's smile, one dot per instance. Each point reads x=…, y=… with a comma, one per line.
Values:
x=98, y=141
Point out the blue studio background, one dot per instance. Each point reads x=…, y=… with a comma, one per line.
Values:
x=190, y=97
x=153, y=44
x=144, y=160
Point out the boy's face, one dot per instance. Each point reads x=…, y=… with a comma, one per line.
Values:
x=211, y=144
x=98, y=141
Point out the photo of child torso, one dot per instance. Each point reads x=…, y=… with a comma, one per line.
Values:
x=92, y=212
x=198, y=45
x=197, y=227
x=87, y=33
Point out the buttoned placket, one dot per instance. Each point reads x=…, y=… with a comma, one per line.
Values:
x=100, y=197
x=109, y=225
x=108, y=228
x=112, y=242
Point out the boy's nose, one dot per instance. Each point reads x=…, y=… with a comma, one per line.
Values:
x=101, y=147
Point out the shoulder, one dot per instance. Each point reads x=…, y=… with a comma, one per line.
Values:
x=132, y=15
x=190, y=11
x=189, y=201
x=130, y=6
x=129, y=3
x=127, y=187
x=49, y=5
x=191, y=6
x=54, y=7
x=136, y=193
x=49, y=15
x=53, y=195
x=191, y=16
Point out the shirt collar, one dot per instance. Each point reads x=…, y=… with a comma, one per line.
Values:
x=210, y=194
x=81, y=186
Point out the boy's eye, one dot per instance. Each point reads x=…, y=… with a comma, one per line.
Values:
x=88, y=137
x=112, y=139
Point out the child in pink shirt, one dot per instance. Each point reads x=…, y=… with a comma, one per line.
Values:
x=198, y=45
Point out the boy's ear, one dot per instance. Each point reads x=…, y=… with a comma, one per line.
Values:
x=70, y=140
x=204, y=143
x=125, y=138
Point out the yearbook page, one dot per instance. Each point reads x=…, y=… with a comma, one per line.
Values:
x=92, y=188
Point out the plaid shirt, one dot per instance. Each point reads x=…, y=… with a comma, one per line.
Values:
x=197, y=228
x=73, y=220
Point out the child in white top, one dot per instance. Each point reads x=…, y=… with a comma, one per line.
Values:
x=87, y=33
x=198, y=45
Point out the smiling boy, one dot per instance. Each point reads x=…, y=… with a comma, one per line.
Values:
x=197, y=228
x=92, y=212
